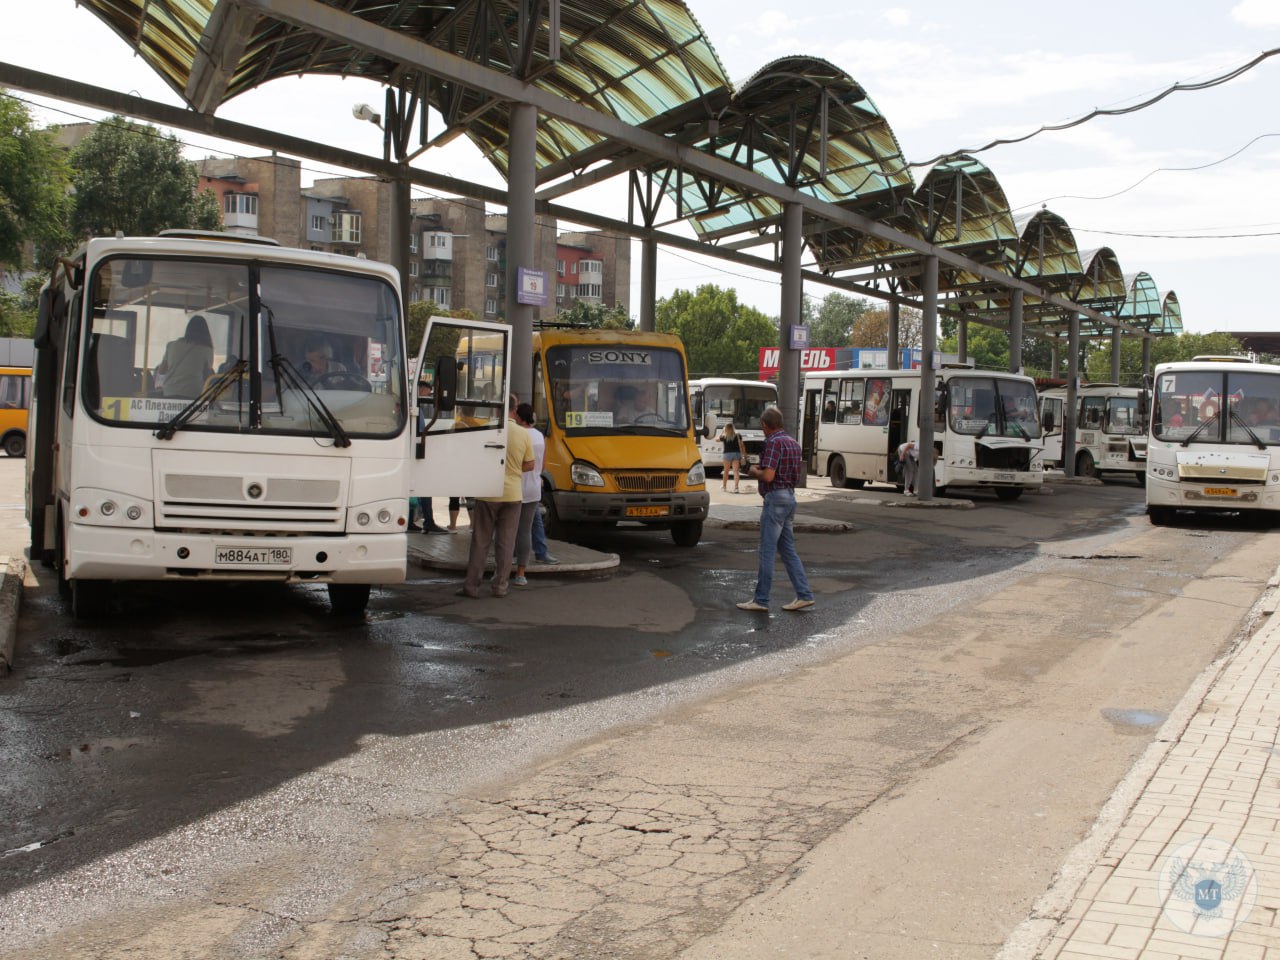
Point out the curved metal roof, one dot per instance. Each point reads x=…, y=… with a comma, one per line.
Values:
x=804, y=123
x=637, y=60
x=1170, y=315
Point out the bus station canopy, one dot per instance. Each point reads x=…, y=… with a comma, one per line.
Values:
x=800, y=123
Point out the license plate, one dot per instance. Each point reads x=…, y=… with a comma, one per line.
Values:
x=648, y=511
x=1004, y=476
x=1221, y=492
x=252, y=556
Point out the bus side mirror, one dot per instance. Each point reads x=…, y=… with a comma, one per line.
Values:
x=445, y=385
x=1048, y=423
x=708, y=425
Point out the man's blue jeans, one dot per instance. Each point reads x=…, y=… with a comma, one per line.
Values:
x=539, y=536
x=778, y=538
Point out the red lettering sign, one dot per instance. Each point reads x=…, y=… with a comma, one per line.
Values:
x=814, y=358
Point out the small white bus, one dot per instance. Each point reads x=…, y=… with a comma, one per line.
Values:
x=209, y=408
x=1111, y=429
x=986, y=427
x=720, y=400
x=1215, y=438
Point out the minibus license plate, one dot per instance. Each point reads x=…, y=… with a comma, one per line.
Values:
x=252, y=556
x=647, y=511
x=1221, y=492
x=1004, y=476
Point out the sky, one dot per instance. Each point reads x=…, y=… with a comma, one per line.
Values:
x=1185, y=190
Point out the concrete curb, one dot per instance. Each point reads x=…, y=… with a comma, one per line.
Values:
x=13, y=572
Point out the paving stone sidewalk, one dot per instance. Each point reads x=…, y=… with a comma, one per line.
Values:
x=1192, y=869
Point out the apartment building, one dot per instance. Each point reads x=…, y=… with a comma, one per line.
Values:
x=457, y=250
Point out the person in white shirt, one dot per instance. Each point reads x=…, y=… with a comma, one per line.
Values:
x=909, y=454
x=531, y=494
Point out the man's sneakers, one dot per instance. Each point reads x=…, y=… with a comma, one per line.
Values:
x=549, y=560
x=753, y=606
x=797, y=604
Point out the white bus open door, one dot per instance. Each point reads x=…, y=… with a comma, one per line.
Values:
x=462, y=384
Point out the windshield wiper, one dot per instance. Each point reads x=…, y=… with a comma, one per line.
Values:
x=1196, y=432
x=1249, y=430
x=210, y=393
x=283, y=369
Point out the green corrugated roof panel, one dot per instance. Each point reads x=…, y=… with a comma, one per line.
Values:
x=1170, y=315
x=634, y=59
x=861, y=166
x=1142, y=306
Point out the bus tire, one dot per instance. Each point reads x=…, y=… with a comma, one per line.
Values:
x=1008, y=493
x=836, y=471
x=552, y=525
x=348, y=599
x=686, y=533
x=90, y=599
x=1085, y=466
x=1141, y=477
x=1160, y=516
x=15, y=445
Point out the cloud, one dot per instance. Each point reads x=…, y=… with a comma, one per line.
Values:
x=1256, y=13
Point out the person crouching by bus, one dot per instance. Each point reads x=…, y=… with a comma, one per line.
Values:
x=732, y=456
x=909, y=456
x=495, y=520
x=779, y=470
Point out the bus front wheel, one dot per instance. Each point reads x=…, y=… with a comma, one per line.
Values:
x=348, y=599
x=1160, y=516
x=1008, y=493
x=686, y=533
x=1085, y=467
x=839, y=478
x=90, y=599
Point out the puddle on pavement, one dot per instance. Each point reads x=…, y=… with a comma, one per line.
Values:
x=1134, y=721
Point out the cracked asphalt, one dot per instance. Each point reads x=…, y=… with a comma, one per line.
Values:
x=623, y=768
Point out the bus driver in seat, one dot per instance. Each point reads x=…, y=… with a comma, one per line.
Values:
x=188, y=361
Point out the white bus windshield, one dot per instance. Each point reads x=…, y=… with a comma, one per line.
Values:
x=600, y=389
x=1123, y=417
x=993, y=407
x=234, y=346
x=741, y=403
x=1217, y=406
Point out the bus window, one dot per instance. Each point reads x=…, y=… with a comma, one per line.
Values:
x=849, y=406
x=1091, y=412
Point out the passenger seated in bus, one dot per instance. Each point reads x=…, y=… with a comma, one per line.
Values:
x=1262, y=413
x=625, y=409
x=188, y=361
x=318, y=359
x=829, y=412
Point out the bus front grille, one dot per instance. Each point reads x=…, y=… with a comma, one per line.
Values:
x=266, y=506
x=1004, y=458
x=645, y=482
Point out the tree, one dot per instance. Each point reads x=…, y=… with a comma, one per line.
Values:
x=835, y=320
x=595, y=315
x=132, y=178
x=871, y=329
x=987, y=348
x=1185, y=346
x=34, y=180
x=721, y=336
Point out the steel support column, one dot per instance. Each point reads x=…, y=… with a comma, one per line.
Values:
x=1072, y=401
x=928, y=345
x=789, y=382
x=648, y=282
x=893, y=361
x=1015, y=333
x=1115, y=354
x=962, y=340
x=521, y=242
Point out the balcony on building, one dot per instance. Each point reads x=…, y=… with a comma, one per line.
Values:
x=240, y=213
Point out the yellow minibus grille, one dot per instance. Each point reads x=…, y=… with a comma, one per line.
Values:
x=644, y=482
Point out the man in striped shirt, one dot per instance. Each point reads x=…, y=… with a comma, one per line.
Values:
x=780, y=468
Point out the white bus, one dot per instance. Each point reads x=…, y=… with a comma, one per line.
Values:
x=1215, y=437
x=1111, y=429
x=719, y=400
x=182, y=427
x=986, y=428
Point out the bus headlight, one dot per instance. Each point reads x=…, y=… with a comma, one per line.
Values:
x=697, y=475
x=585, y=475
